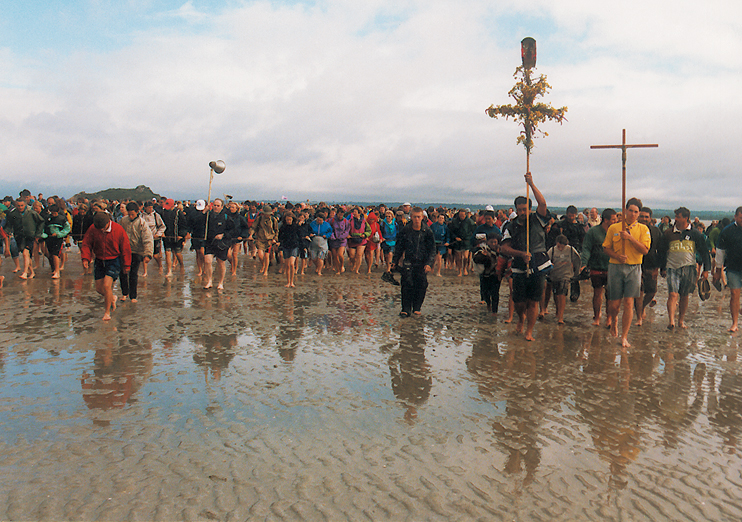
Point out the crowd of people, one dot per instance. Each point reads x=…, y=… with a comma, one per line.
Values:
x=536, y=253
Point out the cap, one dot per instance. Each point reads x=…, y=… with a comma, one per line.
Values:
x=200, y=204
x=406, y=204
x=489, y=208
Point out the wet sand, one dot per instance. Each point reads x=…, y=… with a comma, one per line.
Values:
x=320, y=403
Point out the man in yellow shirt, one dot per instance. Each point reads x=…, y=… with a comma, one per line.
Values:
x=625, y=243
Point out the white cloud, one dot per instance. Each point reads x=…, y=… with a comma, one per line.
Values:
x=384, y=100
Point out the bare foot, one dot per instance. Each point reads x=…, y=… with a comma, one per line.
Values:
x=560, y=321
x=199, y=274
x=208, y=285
x=133, y=300
x=23, y=276
x=287, y=285
x=417, y=312
x=596, y=322
x=519, y=327
x=145, y=274
x=293, y=285
x=107, y=317
x=123, y=298
x=529, y=337
x=16, y=270
x=508, y=321
x=638, y=323
x=220, y=286
x=732, y=328
x=614, y=330
x=682, y=325
x=625, y=343
x=55, y=276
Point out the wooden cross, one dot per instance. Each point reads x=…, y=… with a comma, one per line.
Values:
x=623, y=148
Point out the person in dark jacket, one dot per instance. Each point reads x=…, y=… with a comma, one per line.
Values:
x=290, y=242
x=219, y=232
x=197, y=227
x=176, y=230
x=27, y=226
x=241, y=231
x=414, y=255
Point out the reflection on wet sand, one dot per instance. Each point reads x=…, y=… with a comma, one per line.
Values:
x=320, y=402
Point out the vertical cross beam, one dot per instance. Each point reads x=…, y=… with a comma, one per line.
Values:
x=623, y=148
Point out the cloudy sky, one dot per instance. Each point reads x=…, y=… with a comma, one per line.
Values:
x=376, y=100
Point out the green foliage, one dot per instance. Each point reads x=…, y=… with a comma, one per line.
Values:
x=526, y=110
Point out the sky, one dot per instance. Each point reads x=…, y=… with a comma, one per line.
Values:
x=370, y=101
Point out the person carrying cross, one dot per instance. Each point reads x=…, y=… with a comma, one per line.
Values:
x=625, y=243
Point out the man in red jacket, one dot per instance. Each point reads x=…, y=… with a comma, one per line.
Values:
x=108, y=241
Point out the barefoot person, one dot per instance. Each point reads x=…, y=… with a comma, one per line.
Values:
x=596, y=260
x=56, y=229
x=528, y=264
x=678, y=248
x=625, y=243
x=219, y=232
x=108, y=241
x=729, y=256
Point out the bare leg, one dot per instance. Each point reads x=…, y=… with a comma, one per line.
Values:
x=221, y=268
x=683, y=308
x=561, y=304
x=628, y=315
x=734, y=308
x=531, y=316
x=208, y=270
x=613, y=307
x=520, y=311
x=672, y=305
x=597, y=304
x=105, y=288
x=169, y=262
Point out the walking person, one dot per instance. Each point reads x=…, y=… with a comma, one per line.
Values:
x=108, y=241
x=729, y=257
x=530, y=262
x=625, y=243
x=414, y=255
x=678, y=248
x=141, y=243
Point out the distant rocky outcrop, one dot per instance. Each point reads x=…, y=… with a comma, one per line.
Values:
x=140, y=193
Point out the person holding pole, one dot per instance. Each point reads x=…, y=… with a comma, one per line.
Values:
x=525, y=242
x=625, y=243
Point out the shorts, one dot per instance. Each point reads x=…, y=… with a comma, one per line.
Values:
x=682, y=280
x=28, y=243
x=197, y=244
x=54, y=246
x=213, y=249
x=734, y=279
x=262, y=245
x=624, y=281
x=441, y=250
x=156, y=246
x=386, y=248
x=108, y=267
x=598, y=278
x=173, y=245
x=290, y=252
x=649, y=281
x=527, y=288
x=560, y=287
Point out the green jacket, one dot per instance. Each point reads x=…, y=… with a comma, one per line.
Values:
x=592, y=255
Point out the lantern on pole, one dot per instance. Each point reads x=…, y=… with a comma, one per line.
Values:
x=217, y=167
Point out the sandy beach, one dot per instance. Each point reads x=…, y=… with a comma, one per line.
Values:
x=321, y=403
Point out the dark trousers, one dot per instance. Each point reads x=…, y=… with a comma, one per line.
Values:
x=489, y=290
x=414, y=284
x=129, y=281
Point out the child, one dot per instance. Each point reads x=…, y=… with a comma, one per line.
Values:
x=566, y=261
x=484, y=256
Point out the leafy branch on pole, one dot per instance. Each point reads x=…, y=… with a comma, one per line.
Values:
x=526, y=110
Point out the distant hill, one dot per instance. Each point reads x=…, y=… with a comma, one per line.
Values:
x=140, y=193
